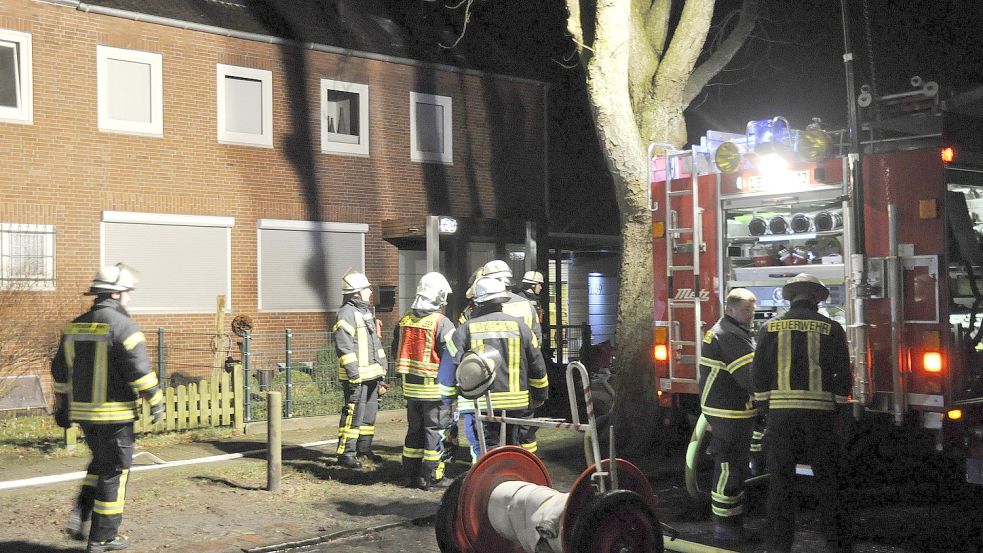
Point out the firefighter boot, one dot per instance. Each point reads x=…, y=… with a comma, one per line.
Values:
x=349, y=462
x=116, y=544
x=369, y=456
x=728, y=532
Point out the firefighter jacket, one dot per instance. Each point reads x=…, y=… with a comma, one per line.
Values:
x=534, y=300
x=725, y=370
x=519, y=306
x=421, y=340
x=802, y=361
x=361, y=356
x=102, y=366
x=523, y=375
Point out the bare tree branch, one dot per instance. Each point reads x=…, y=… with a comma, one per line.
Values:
x=722, y=56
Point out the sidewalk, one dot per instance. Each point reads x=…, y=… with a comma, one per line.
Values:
x=223, y=506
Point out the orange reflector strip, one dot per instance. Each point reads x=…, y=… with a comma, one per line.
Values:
x=955, y=414
x=948, y=154
x=661, y=334
x=932, y=361
x=661, y=352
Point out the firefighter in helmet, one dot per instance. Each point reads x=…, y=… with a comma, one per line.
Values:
x=100, y=373
x=725, y=379
x=465, y=406
x=518, y=306
x=801, y=375
x=504, y=342
x=422, y=339
x=361, y=368
x=531, y=287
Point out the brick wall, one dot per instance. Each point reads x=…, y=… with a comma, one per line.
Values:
x=61, y=170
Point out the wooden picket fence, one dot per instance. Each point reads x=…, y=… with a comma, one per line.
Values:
x=196, y=405
x=205, y=404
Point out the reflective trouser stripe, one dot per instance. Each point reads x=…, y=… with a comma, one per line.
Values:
x=113, y=507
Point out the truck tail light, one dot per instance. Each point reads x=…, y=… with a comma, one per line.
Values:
x=948, y=154
x=932, y=361
x=955, y=414
x=660, y=351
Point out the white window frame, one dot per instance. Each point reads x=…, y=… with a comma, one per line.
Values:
x=447, y=156
x=264, y=140
x=156, y=125
x=24, y=112
x=168, y=219
x=45, y=282
x=307, y=226
x=329, y=146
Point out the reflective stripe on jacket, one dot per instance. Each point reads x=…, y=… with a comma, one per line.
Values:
x=520, y=307
x=102, y=366
x=419, y=343
x=802, y=361
x=360, y=353
x=725, y=371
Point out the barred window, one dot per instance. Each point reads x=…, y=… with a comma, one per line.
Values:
x=27, y=257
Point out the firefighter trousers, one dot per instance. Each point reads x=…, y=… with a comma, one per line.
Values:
x=423, y=447
x=527, y=434
x=730, y=445
x=803, y=435
x=471, y=434
x=357, y=426
x=104, y=486
x=493, y=431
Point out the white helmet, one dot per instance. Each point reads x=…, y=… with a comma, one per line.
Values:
x=353, y=281
x=113, y=278
x=805, y=284
x=476, y=372
x=499, y=269
x=488, y=289
x=434, y=287
x=469, y=293
x=533, y=277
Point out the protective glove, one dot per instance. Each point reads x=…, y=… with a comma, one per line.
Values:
x=157, y=413
x=62, y=417
x=383, y=388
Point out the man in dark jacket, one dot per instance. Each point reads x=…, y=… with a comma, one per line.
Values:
x=802, y=375
x=725, y=378
x=361, y=368
x=100, y=373
x=520, y=383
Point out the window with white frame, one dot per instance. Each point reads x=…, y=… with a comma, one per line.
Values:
x=27, y=257
x=16, y=77
x=131, y=91
x=344, y=118
x=183, y=261
x=245, y=106
x=301, y=263
x=431, y=136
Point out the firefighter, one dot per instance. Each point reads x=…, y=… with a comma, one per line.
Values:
x=725, y=379
x=518, y=306
x=801, y=375
x=531, y=287
x=520, y=382
x=361, y=368
x=423, y=338
x=100, y=373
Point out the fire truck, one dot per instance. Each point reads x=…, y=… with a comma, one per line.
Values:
x=894, y=229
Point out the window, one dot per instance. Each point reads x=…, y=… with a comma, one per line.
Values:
x=344, y=118
x=16, y=81
x=130, y=91
x=431, y=137
x=183, y=261
x=27, y=257
x=245, y=106
x=299, y=258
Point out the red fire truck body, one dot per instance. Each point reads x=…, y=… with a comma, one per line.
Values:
x=912, y=304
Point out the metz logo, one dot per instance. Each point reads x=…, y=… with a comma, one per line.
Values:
x=687, y=294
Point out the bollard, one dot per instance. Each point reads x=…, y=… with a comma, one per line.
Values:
x=273, y=443
x=71, y=438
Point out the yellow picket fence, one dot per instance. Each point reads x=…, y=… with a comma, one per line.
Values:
x=197, y=405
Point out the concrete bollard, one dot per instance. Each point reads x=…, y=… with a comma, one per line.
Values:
x=274, y=466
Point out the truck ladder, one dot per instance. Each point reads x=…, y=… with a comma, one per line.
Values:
x=673, y=163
